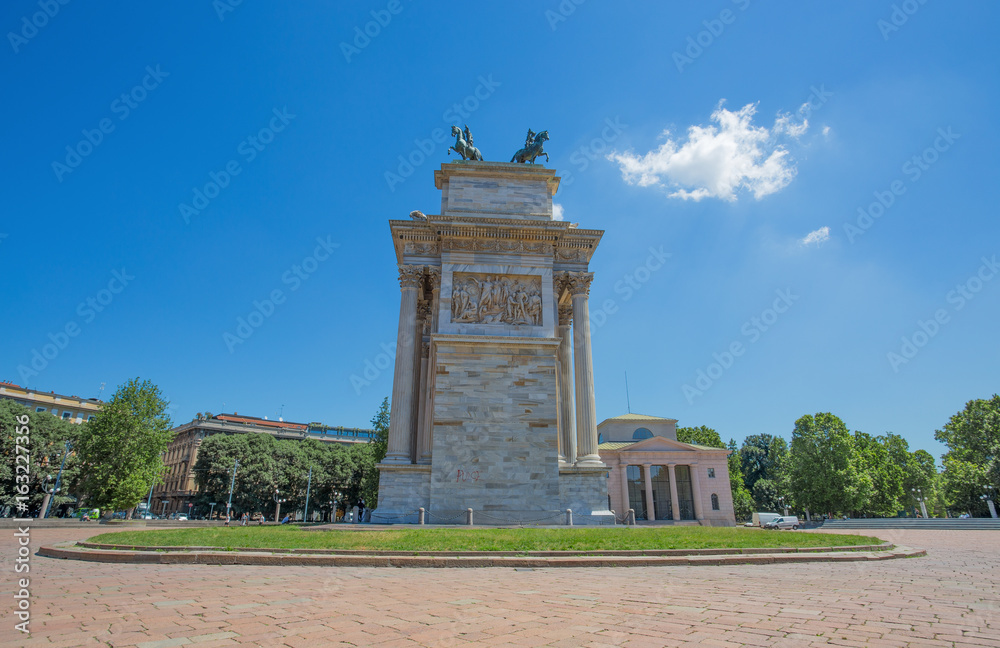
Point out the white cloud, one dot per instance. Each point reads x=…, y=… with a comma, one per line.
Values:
x=818, y=236
x=557, y=211
x=718, y=160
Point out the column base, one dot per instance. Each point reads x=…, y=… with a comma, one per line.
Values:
x=397, y=460
x=590, y=461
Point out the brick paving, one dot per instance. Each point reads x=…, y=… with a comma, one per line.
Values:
x=949, y=598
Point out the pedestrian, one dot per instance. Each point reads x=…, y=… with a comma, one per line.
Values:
x=227, y=518
x=285, y=519
x=245, y=518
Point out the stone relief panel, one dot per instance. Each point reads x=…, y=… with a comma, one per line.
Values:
x=496, y=299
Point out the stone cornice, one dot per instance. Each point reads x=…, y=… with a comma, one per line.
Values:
x=522, y=172
x=564, y=242
x=493, y=339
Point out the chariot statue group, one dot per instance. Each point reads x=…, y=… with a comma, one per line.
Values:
x=533, y=144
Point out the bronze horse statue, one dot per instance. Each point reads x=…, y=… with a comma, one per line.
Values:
x=463, y=147
x=532, y=149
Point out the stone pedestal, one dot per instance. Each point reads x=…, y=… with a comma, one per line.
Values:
x=486, y=416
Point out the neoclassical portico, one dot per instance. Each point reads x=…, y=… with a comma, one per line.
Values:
x=493, y=392
x=662, y=479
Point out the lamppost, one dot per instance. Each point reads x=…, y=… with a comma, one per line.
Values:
x=211, y=511
x=333, y=512
x=47, y=504
x=781, y=501
x=277, y=504
x=919, y=495
x=988, y=498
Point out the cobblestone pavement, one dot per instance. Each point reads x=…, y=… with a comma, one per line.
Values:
x=949, y=598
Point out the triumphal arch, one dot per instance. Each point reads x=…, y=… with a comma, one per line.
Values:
x=493, y=390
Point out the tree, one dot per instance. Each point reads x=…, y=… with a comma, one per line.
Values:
x=701, y=435
x=763, y=456
x=376, y=450
x=742, y=500
x=824, y=468
x=883, y=460
x=973, y=435
x=47, y=437
x=962, y=482
x=120, y=449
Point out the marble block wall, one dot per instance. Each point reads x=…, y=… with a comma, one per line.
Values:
x=495, y=428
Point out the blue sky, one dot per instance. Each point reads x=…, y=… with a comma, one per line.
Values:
x=739, y=138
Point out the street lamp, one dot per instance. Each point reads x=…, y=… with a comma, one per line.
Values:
x=988, y=498
x=920, y=498
x=781, y=501
x=277, y=505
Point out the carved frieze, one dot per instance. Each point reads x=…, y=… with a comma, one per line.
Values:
x=495, y=245
x=420, y=247
x=496, y=299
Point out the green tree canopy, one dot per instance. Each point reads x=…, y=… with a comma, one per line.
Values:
x=824, y=469
x=47, y=437
x=973, y=435
x=701, y=435
x=120, y=449
x=763, y=456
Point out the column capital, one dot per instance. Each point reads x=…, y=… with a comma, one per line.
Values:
x=410, y=276
x=578, y=283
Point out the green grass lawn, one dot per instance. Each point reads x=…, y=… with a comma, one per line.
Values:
x=431, y=539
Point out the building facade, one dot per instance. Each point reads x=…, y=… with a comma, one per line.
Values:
x=69, y=408
x=662, y=479
x=179, y=489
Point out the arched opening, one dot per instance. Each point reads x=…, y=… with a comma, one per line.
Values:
x=642, y=433
x=715, y=502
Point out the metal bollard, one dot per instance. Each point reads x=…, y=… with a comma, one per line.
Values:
x=631, y=517
x=468, y=517
x=569, y=517
x=420, y=515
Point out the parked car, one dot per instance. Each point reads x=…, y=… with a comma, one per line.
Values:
x=783, y=522
x=761, y=519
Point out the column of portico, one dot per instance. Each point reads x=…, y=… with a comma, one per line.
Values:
x=425, y=440
x=401, y=427
x=583, y=365
x=696, y=490
x=625, y=502
x=419, y=372
x=675, y=507
x=650, y=507
x=567, y=429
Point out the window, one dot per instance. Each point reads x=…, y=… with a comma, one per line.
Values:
x=600, y=438
x=39, y=409
x=91, y=418
x=67, y=415
x=715, y=502
x=711, y=473
x=642, y=433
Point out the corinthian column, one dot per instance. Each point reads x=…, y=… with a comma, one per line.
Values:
x=401, y=427
x=567, y=430
x=583, y=365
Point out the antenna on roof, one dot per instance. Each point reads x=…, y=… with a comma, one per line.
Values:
x=628, y=403
x=101, y=392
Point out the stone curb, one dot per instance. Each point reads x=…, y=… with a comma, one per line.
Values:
x=885, y=546
x=376, y=560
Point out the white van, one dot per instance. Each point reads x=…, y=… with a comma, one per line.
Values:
x=760, y=519
x=783, y=522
